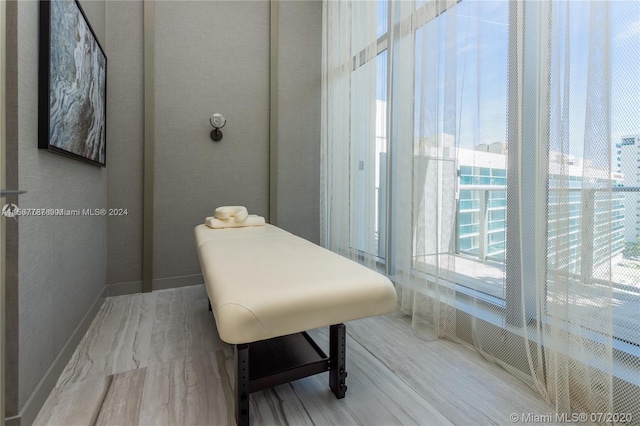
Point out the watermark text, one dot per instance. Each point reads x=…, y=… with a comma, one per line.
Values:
x=616, y=418
x=12, y=210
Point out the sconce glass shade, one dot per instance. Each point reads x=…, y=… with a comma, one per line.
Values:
x=218, y=121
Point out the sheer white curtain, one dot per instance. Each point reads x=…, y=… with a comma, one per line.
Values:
x=504, y=201
x=591, y=337
x=349, y=107
x=424, y=131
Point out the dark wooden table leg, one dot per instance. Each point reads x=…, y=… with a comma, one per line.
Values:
x=337, y=353
x=241, y=355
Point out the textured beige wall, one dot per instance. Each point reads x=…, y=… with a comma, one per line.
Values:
x=61, y=260
x=299, y=68
x=210, y=57
x=125, y=133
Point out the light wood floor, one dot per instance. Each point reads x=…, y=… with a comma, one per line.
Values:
x=156, y=359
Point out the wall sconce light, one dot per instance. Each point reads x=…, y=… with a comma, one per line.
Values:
x=217, y=122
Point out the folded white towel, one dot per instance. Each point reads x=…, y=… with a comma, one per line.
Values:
x=251, y=220
x=225, y=212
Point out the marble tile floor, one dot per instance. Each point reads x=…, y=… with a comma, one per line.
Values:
x=156, y=359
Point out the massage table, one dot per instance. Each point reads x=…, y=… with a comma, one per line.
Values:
x=266, y=288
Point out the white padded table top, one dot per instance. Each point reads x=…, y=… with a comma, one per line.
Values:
x=264, y=282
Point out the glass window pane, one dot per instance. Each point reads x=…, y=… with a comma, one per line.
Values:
x=382, y=17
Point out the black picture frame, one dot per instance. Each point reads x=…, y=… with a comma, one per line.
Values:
x=72, y=84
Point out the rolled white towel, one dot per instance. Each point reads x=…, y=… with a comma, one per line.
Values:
x=225, y=212
x=251, y=220
x=241, y=215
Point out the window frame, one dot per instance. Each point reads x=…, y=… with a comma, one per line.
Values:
x=519, y=304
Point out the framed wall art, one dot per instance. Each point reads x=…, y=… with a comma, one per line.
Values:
x=72, y=91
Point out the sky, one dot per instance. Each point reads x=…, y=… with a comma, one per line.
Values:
x=482, y=36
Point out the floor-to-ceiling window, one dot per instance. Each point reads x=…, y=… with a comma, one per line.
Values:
x=492, y=166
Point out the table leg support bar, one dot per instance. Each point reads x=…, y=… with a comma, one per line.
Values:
x=337, y=353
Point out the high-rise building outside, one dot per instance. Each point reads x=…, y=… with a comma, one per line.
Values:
x=588, y=229
x=587, y=224
x=628, y=164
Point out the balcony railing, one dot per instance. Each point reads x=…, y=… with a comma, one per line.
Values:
x=481, y=221
x=592, y=225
